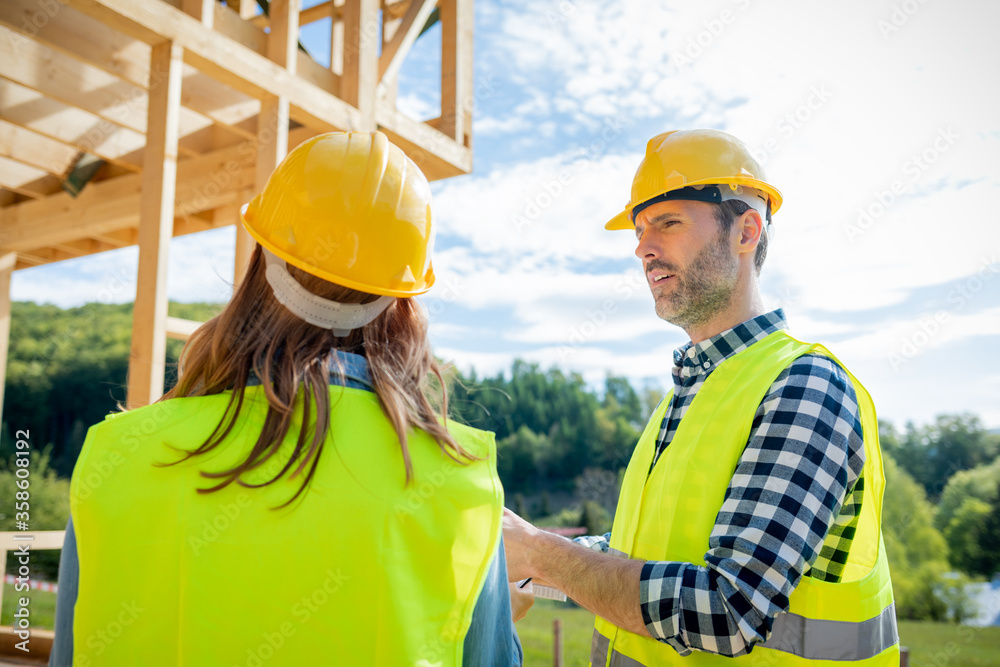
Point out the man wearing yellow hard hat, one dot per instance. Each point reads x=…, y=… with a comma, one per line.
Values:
x=749, y=515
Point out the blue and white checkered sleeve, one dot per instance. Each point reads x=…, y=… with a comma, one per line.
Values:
x=594, y=542
x=804, y=452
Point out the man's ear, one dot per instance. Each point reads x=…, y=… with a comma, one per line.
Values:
x=750, y=226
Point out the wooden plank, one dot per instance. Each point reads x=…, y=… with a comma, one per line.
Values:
x=8, y=261
x=43, y=539
x=181, y=329
x=147, y=360
x=204, y=183
x=394, y=52
x=360, y=77
x=456, y=70
x=283, y=40
x=63, y=78
x=438, y=155
x=203, y=10
x=337, y=42
x=36, y=150
x=119, y=238
x=90, y=41
x=84, y=131
x=317, y=12
x=27, y=180
x=223, y=59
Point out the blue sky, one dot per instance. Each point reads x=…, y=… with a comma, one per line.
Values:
x=877, y=120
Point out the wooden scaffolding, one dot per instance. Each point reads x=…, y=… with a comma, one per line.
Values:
x=164, y=116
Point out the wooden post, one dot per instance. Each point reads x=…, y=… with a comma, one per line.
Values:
x=272, y=124
x=7, y=263
x=336, y=40
x=203, y=10
x=156, y=226
x=456, y=70
x=904, y=657
x=557, y=649
x=360, y=78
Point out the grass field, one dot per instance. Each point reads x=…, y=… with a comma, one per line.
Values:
x=930, y=644
x=42, y=607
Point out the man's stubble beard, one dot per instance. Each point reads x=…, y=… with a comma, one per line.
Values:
x=706, y=289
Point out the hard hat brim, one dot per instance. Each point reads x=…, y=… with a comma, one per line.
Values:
x=624, y=219
x=428, y=279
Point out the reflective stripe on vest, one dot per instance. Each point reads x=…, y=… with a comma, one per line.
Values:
x=816, y=639
x=362, y=569
x=668, y=514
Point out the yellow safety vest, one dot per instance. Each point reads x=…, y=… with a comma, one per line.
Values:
x=363, y=571
x=668, y=514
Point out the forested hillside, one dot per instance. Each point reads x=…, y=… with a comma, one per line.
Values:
x=562, y=446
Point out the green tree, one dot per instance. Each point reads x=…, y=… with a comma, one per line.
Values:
x=965, y=535
x=954, y=442
x=917, y=553
x=981, y=483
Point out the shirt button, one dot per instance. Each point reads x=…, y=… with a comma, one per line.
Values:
x=706, y=365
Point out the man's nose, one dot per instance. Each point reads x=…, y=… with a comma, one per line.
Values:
x=646, y=249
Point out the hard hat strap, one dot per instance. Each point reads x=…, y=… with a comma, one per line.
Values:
x=713, y=194
x=342, y=318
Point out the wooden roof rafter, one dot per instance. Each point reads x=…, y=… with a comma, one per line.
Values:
x=75, y=82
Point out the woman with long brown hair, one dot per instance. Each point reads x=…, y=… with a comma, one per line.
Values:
x=297, y=498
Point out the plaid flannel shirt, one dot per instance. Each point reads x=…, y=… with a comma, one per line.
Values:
x=791, y=509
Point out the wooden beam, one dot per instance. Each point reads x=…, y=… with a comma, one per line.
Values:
x=27, y=180
x=204, y=183
x=283, y=40
x=90, y=41
x=394, y=52
x=337, y=43
x=36, y=150
x=438, y=155
x=84, y=131
x=7, y=263
x=203, y=10
x=224, y=59
x=79, y=85
x=180, y=328
x=456, y=70
x=147, y=361
x=360, y=78
x=317, y=12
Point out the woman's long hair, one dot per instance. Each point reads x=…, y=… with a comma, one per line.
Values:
x=256, y=333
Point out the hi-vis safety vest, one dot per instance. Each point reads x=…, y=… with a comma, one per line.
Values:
x=363, y=571
x=669, y=515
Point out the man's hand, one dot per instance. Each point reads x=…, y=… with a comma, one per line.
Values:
x=606, y=585
x=521, y=600
x=518, y=537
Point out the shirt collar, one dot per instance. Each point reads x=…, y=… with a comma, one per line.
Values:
x=355, y=366
x=691, y=360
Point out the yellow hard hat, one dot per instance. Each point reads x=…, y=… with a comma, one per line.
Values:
x=684, y=159
x=351, y=208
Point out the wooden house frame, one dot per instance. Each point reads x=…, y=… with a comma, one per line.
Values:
x=186, y=107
